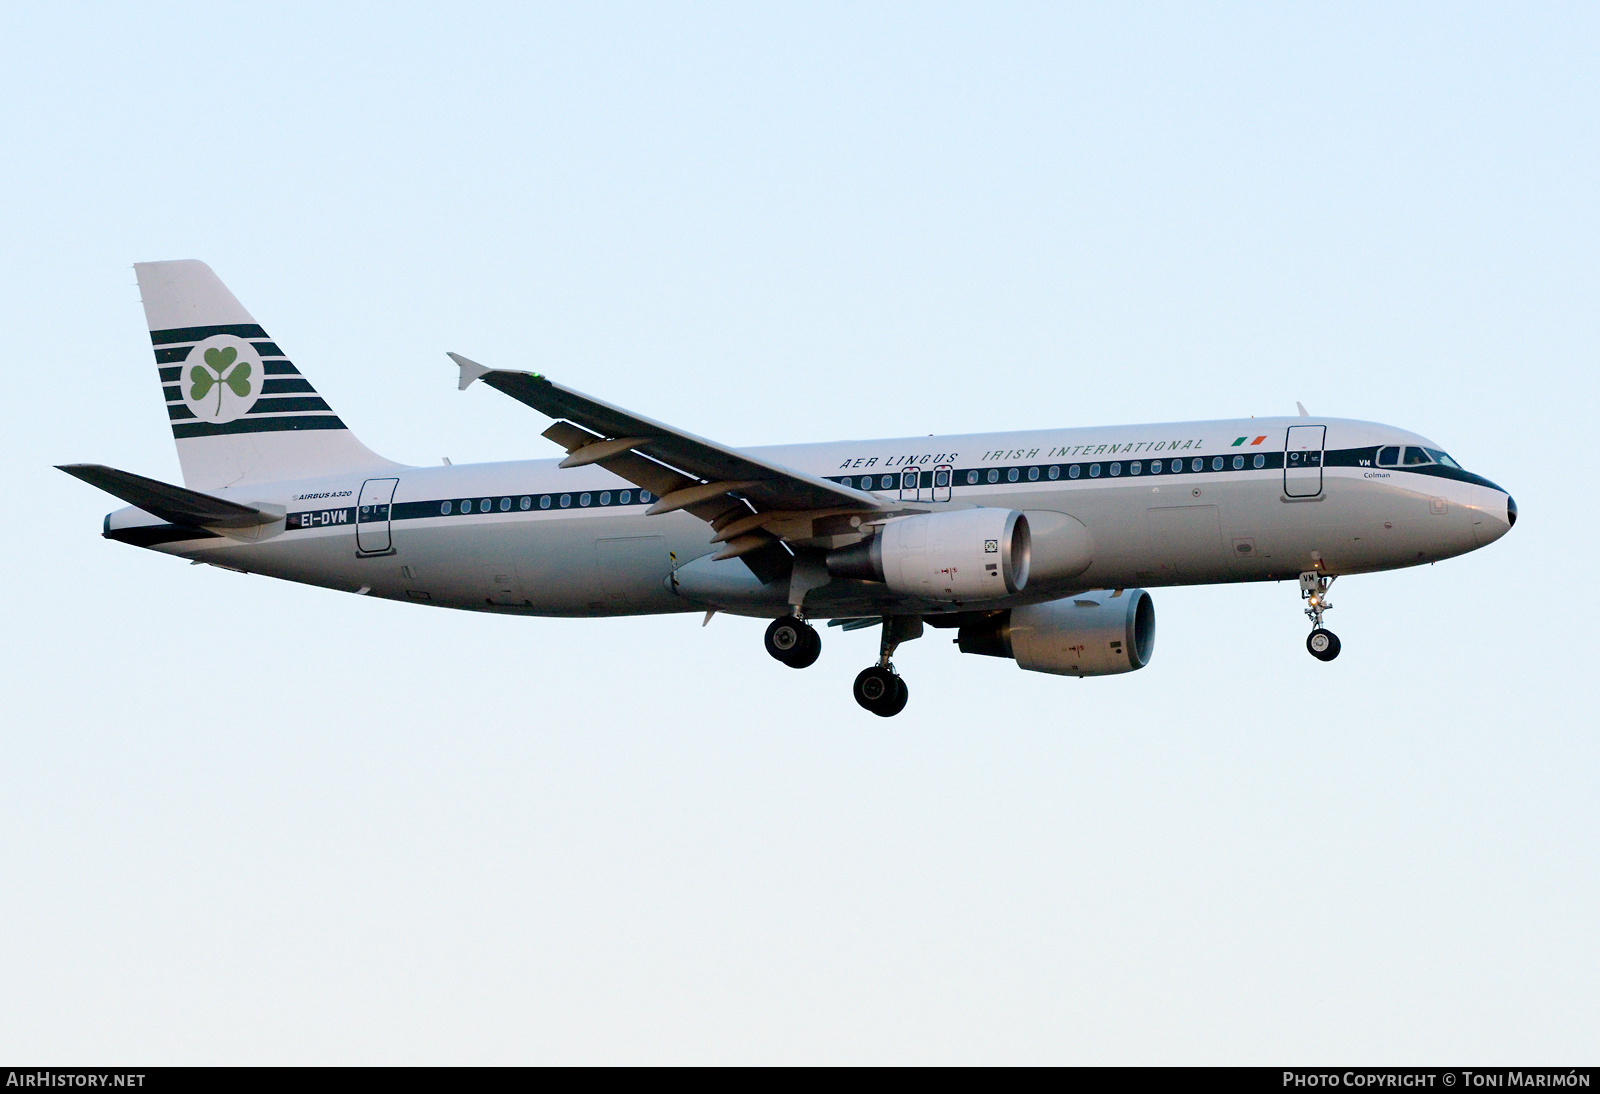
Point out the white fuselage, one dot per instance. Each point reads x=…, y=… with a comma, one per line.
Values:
x=538, y=540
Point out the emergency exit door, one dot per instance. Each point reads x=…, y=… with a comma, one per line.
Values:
x=1302, y=460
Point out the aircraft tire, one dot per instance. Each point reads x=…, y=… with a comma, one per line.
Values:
x=1323, y=644
x=806, y=653
x=880, y=691
x=793, y=642
x=901, y=694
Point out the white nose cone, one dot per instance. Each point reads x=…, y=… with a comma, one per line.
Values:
x=1489, y=523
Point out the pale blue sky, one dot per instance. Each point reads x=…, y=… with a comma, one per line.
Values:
x=245, y=821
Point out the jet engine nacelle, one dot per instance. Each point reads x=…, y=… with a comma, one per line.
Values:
x=965, y=554
x=1091, y=634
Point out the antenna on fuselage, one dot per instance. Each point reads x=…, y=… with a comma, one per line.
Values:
x=1301, y=407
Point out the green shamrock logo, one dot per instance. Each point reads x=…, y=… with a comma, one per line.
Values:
x=217, y=375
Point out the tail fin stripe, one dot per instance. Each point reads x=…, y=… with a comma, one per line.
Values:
x=284, y=406
x=185, y=430
x=279, y=387
x=171, y=374
x=200, y=334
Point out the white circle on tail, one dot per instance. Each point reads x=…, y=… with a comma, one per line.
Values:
x=221, y=379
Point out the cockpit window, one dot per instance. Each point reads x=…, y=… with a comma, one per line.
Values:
x=1444, y=459
x=1388, y=457
x=1416, y=456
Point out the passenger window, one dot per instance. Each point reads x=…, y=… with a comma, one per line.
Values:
x=887, y=482
x=1259, y=461
x=505, y=505
x=645, y=496
x=1177, y=465
x=941, y=478
x=1094, y=471
x=544, y=501
x=993, y=475
x=605, y=498
x=1238, y=462
x=583, y=499
x=1216, y=464
x=1074, y=472
x=525, y=503
x=1116, y=469
x=444, y=510
x=1388, y=457
x=847, y=482
x=1135, y=467
x=1415, y=456
x=1155, y=467
x=972, y=478
x=1055, y=473
x=625, y=498
x=1197, y=464
x=566, y=500
x=1033, y=474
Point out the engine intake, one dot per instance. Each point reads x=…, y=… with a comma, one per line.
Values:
x=966, y=554
x=1092, y=634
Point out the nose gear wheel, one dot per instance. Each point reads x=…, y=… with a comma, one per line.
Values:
x=1323, y=644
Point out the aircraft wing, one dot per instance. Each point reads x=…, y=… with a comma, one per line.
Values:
x=710, y=480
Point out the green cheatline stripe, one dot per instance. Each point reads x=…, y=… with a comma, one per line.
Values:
x=185, y=430
x=196, y=334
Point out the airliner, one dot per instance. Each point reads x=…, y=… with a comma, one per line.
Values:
x=1038, y=547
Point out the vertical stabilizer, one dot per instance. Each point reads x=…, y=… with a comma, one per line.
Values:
x=240, y=410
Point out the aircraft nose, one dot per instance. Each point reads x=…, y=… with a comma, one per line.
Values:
x=1490, y=522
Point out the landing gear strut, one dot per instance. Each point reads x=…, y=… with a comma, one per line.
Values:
x=794, y=642
x=1323, y=643
x=879, y=687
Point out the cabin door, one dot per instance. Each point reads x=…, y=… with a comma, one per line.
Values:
x=1302, y=460
x=372, y=516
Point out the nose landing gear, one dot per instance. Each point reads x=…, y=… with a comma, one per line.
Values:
x=794, y=642
x=1323, y=644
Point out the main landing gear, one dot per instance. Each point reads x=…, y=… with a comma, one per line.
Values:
x=1323, y=643
x=880, y=688
x=794, y=642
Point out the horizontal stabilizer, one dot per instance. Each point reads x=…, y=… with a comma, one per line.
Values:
x=170, y=503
